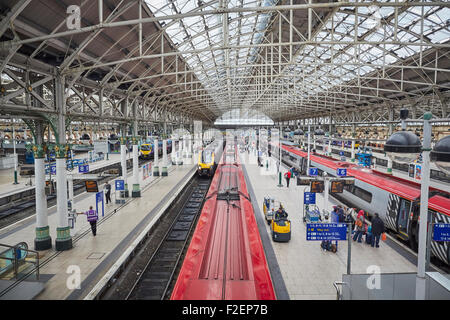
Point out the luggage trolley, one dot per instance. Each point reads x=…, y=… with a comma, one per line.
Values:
x=311, y=213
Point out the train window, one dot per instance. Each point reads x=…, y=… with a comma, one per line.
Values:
x=400, y=166
x=359, y=192
x=381, y=162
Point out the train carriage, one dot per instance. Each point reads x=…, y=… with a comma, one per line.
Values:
x=395, y=199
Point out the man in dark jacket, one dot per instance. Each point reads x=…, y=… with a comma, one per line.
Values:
x=377, y=230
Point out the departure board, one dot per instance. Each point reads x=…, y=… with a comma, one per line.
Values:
x=303, y=182
x=91, y=186
x=337, y=186
x=317, y=186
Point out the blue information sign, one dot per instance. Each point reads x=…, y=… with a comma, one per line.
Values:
x=313, y=171
x=120, y=185
x=441, y=232
x=83, y=168
x=309, y=198
x=341, y=172
x=53, y=169
x=326, y=231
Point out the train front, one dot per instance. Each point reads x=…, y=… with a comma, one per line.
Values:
x=146, y=151
x=206, y=163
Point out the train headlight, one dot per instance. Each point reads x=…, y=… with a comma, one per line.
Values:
x=403, y=147
x=441, y=154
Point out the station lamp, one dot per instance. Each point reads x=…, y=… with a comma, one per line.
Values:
x=319, y=132
x=405, y=147
x=441, y=154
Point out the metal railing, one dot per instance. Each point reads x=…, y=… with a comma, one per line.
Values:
x=338, y=291
x=17, y=260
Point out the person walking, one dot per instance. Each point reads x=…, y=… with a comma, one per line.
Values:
x=92, y=218
x=287, y=175
x=108, y=192
x=377, y=230
x=359, y=228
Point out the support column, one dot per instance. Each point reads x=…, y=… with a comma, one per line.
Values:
x=136, y=193
x=43, y=241
x=164, y=172
x=63, y=238
x=155, y=158
x=123, y=163
x=390, y=131
x=421, y=281
x=180, y=152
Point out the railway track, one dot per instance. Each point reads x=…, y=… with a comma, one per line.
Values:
x=151, y=274
x=25, y=206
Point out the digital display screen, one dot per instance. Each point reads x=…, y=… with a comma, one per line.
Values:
x=349, y=182
x=91, y=186
x=337, y=186
x=317, y=186
x=303, y=182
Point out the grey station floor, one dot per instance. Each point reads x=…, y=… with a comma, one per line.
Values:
x=307, y=271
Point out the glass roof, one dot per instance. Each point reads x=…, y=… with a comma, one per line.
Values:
x=244, y=117
x=331, y=62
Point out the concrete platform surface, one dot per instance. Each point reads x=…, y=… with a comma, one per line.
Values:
x=309, y=272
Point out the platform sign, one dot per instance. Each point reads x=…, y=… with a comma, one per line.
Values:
x=317, y=186
x=441, y=232
x=303, y=182
x=53, y=170
x=120, y=185
x=91, y=186
x=99, y=199
x=337, y=186
x=309, y=198
x=326, y=231
x=341, y=172
x=83, y=168
x=313, y=171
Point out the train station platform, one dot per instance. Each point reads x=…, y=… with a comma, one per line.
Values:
x=306, y=270
x=7, y=186
x=116, y=231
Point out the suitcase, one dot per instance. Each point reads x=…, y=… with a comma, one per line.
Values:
x=368, y=238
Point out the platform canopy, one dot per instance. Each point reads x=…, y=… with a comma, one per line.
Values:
x=198, y=59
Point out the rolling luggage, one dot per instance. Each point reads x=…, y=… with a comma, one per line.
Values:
x=368, y=238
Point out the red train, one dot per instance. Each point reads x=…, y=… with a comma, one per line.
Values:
x=396, y=200
x=225, y=259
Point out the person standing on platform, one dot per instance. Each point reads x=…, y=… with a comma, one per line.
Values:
x=287, y=175
x=377, y=230
x=92, y=218
x=359, y=229
x=108, y=192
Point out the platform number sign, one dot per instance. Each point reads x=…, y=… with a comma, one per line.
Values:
x=313, y=171
x=309, y=198
x=120, y=185
x=53, y=170
x=83, y=168
x=341, y=172
x=441, y=232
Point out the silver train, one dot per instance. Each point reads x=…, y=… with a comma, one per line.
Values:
x=399, y=207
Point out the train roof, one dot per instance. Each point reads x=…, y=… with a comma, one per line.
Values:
x=440, y=204
x=404, y=188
